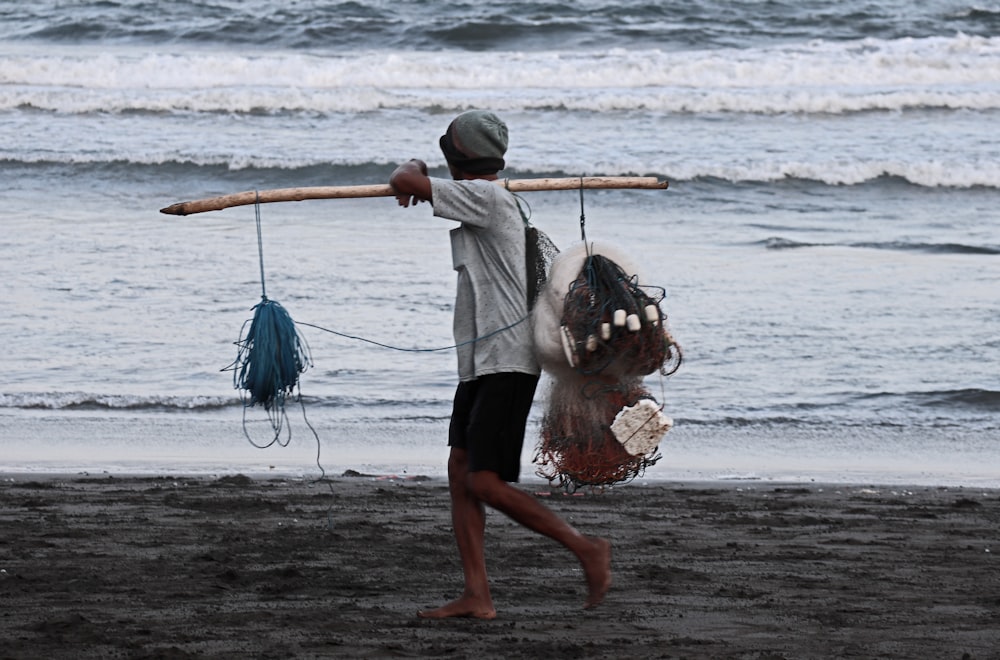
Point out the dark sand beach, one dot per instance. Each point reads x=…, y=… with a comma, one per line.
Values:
x=183, y=567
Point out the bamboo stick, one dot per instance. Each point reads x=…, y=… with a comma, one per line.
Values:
x=383, y=190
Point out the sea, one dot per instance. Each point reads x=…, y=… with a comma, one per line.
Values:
x=829, y=242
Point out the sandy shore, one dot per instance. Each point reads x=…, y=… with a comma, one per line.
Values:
x=181, y=567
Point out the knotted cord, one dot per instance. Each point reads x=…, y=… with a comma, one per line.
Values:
x=269, y=358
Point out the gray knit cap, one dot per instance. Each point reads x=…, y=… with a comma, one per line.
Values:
x=476, y=142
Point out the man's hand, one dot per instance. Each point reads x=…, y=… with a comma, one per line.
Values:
x=411, y=183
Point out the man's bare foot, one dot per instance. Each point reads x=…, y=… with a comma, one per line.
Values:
x=462, y=607
x=597, y=568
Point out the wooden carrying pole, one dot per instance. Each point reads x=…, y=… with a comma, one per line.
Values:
x=383, y=190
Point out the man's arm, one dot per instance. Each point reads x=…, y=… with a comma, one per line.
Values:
x=411, y=183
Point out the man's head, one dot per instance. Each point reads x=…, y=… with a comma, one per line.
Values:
x=475, y=143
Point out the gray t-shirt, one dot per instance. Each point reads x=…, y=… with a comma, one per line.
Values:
x=487, y=251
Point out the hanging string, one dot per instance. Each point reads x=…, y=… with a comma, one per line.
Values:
x=419, y=350
x=270, y=356
x=583, y=217
x=260, y=244
x=550, y=251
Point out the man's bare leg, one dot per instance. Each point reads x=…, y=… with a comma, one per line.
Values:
x=468, y=519
x=594, y=553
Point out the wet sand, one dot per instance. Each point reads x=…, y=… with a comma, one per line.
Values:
x=183, y=567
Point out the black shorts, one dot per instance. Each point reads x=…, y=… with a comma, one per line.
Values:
x=488, y=420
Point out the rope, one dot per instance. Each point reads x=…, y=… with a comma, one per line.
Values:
x=260, y=245
x=418, y=350
x=526, y=217
x=270, y=356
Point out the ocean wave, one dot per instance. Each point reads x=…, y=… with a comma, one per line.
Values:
x=520, y=25
x=666, y=100
x=929, y=174
x=821, y=421
x=970, y=408
x=296, y=171
x=934, y=248
x=124, y=402
x=949, y=73
x=968, y=399
x=412, y=409
x=779, y=243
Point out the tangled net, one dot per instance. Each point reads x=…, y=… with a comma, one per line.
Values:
x=271, y=354
x=612, y=326
x=601, y=426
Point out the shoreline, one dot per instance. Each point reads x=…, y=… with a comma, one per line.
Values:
x=175, y=566
x=214, y=445
x=527, y=482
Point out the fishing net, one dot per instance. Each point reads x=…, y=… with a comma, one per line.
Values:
x=271, y=353
x=599, y=332
x=612, y=326
x=539, y=254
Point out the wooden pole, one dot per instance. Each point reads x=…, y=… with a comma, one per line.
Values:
x=383, y=190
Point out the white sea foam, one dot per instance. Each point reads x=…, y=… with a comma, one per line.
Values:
x=927, y=173
x=959, y=72
x=71, y=400
x=360, y=99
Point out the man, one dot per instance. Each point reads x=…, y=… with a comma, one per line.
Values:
x=497, y=368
